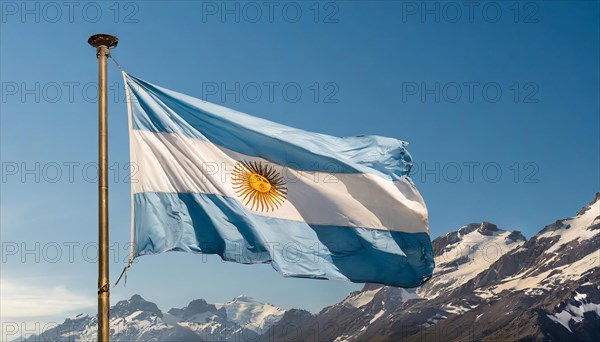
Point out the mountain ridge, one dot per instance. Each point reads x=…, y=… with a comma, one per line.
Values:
x=489, y=284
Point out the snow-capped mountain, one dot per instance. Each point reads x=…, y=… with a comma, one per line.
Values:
x=252, y=314
x=462, y=255
x=206, y=320
x=489, y=285
x=139, y=320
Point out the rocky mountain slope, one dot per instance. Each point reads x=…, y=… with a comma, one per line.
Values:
x=489, y=285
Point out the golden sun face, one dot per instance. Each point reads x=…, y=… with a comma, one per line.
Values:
x=259, y=185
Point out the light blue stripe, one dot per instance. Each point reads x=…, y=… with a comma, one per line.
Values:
x=213, y=224
x=156, y=109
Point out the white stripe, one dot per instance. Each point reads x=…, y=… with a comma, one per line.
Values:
x=167, y=162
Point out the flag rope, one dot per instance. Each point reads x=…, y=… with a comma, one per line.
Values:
x=127, y=95
x=117, y=63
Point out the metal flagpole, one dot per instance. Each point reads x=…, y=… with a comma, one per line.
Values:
x=103, y=43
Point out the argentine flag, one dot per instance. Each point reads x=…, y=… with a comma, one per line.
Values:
x=209, y=179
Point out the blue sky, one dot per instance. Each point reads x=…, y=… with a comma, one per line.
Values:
x=499, y=102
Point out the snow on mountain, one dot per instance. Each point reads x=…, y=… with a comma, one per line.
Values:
x=578, y=229
x=489, y=284
x=136, y=319
x=463, y=254
x=563, y=251
x=575, y=310
x=375, y=294
x=360, y=299
x=204, y=319
x=252, y=314
x=133, y=318
x=544, y=289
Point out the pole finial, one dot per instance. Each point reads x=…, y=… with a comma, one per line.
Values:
x=102, y=39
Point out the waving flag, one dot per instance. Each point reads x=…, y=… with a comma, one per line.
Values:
x=213, y=180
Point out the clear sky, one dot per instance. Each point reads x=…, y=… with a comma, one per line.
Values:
x=499, y=101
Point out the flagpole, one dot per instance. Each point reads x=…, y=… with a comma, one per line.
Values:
x=103, y=43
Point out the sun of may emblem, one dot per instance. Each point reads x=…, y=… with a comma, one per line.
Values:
x=259, y=185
